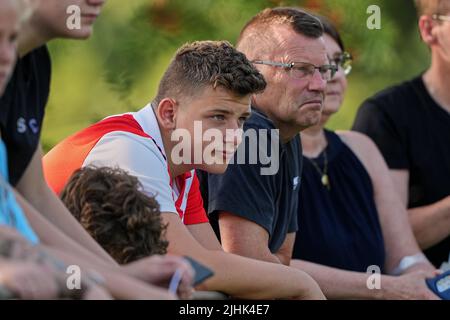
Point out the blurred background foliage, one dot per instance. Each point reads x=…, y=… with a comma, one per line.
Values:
x=118, y=68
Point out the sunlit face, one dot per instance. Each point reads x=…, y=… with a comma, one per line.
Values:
x=214, y=120
x=337, y=86
x=57, y=17
x=288, y=100
x=441, y=32
x=9, y=28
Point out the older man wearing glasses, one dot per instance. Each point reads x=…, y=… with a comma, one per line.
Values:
x=255, y=211
x=410, y=123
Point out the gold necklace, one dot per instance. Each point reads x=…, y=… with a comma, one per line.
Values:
x=323, y=173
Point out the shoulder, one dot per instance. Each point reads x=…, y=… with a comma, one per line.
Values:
x=258, y=120
x=41, y=53
x=29, y=81
x=259, y=133
x=38, y=62
x=356, y=140
x=360, y=144
x=392, y=99
x=365, y=150
x=129, y=145
x=137, y=155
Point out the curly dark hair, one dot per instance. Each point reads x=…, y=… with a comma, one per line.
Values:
x=200, y=64
x=123, y=220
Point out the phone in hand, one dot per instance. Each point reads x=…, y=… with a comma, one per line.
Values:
x=201, y=274
x=440, y=285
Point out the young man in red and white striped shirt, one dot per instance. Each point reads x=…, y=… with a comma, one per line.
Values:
x=207, y=84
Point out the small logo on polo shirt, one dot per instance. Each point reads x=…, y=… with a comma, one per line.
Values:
x=295, y=183
x=22, y=125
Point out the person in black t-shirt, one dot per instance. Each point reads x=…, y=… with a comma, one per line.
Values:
x=269, y=200
x=22, y=111
x=257, y=213
x=410, y=123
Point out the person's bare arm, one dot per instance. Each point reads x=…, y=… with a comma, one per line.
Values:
x=343, y=284
x=285, y=251
x=33, y=187
x=120, y=285
x=431, y=223
x=245, y=238
x=26, y=280
x=116, y=282
x=235, y=275
x=152, y=270
x=398, y=237
x=200, y=232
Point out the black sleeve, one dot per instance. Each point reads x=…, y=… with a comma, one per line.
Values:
x=22, y=110
x=293, y=223
x=242, y=190
x=385, y=130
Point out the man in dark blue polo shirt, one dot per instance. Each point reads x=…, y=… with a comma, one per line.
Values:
x=255, y=209
x=269, y=186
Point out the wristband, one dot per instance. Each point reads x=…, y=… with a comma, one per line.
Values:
x=407, y=262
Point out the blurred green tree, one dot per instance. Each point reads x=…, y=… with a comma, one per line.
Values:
x=118, y=69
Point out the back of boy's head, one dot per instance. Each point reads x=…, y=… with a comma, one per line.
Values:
x=110, y=206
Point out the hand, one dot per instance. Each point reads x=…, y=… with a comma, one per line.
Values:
x=7, y=233
x=28, y=280
x=423, y=266
x=158, y=270
x=410, y=286
x=91, y=288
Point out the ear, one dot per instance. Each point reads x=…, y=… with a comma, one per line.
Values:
x=253, y=100
x=426, y=30
x=166, y=113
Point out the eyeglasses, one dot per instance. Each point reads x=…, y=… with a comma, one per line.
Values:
x=343, y=60
x=301, y=70
x=440, y=17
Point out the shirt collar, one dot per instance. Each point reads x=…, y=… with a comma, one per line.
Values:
x=147, y=120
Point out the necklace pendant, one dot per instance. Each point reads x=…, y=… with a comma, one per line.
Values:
x=325, y=181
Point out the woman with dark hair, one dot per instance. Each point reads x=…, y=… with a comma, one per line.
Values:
x=350, y=219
